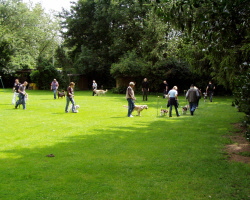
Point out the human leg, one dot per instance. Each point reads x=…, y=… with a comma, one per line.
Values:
x=67, y=104
x=176, y=111
x=15, y=95
x=73, y=104
x=170, y=110
x=54, y=91
x=131, y=106
x=211, y=96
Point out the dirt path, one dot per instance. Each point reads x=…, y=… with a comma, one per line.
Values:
x=239, y=146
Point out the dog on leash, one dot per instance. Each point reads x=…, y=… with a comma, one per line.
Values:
x=61, y=94
x=100, y=92
x=205, y=96
x=185, y=109
x=76, y=108
x=138, y=108
x=164, y=112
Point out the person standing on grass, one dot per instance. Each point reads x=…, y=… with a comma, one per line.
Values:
x=173, y=101
x=165, y=88
x=54, y=87
x=192, y=96
x=94, y=87
x=70, y=97
x=130, y=96
x=200, y=94
x=145, y=89
x=210, y=90
x=22, y=95
x=15, y=90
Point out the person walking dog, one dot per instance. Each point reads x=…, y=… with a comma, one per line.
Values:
x=130, y=96
x=22, y=95
x=173, y=101
x=70, y=97
x=192, y=96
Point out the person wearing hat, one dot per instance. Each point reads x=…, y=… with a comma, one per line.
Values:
x=130, y=96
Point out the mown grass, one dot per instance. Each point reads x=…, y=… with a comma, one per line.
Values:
x=102, y=154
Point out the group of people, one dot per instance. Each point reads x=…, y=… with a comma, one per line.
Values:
x=69, y=94
x=19, y=91
x=193, y=96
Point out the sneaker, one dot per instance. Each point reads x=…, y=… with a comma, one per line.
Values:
x=131, y=116
x=66, y=111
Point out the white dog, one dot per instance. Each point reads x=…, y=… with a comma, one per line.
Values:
x=100, y=92
x=205, y=96
x=76, y=108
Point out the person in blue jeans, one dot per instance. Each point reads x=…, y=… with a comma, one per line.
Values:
x=54, y=87
x=70, y=97
x=192, y=96
x=130, y=96
x=22, y=95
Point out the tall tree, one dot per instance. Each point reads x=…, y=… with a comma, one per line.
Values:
x=29, y=31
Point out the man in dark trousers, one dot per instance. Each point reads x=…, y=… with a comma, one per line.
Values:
x=145, y=89
x=210, y=90
x=165, y=88
x=192, y=96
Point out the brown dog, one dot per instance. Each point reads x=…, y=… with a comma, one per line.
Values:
x=61, y=94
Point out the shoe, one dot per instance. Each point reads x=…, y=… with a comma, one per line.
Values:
x=66, y=111
x=178, y=115
x=131, y=116
x=192, y=112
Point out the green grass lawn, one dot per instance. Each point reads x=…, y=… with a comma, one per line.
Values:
x=102, y=154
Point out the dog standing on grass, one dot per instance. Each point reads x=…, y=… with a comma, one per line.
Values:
x=61, y=94
x=100, y=92
x=185, y=109
x=138, y=108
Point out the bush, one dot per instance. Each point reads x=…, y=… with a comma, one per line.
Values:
x=43, y=77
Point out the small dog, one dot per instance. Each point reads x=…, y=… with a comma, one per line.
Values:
x=164, y=112
x=61, y=94
x=185, y=109
x=205, y=96
x=100, y=92
x=76, y=108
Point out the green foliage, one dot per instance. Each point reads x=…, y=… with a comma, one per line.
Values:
x=45, y=75
x=119, y=90
x=29, y=32
x=130, y=65
x=242, y=89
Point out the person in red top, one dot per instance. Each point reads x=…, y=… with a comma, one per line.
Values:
x=70, y=97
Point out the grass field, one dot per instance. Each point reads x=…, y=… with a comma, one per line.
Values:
x=102, y=154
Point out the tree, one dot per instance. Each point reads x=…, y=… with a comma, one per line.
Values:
x=28, y=31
